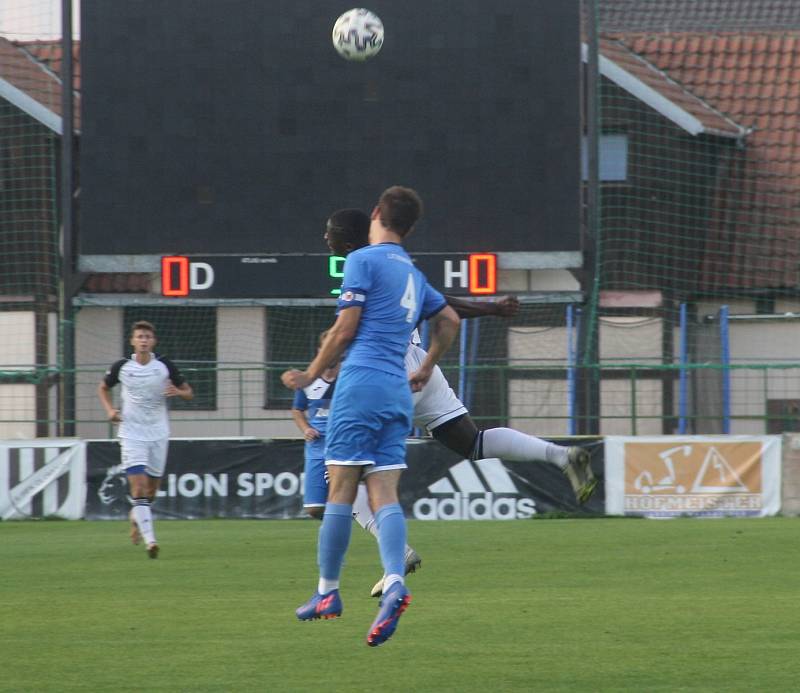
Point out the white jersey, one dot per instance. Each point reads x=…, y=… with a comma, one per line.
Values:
x=144, y=402
x=436, y=403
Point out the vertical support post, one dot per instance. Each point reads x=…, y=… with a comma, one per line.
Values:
x=572, y=427
x=67, y=390
x=589, y=382
x=634, y=414
x=683, y=382
x=241, y=403
x=462, y=359
x=473, y=359
x=725, y=349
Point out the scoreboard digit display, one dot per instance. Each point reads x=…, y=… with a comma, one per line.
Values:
x=234, y=128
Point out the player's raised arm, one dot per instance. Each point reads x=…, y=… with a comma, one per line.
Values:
x=504, y=307
x=444, y=328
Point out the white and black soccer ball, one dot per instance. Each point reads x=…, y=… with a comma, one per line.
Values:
x=357, y=34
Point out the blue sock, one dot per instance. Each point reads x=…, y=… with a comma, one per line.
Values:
x=334, y=538
x=392, y=538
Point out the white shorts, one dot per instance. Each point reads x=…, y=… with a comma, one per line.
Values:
x=150, y=453
x=436, y=403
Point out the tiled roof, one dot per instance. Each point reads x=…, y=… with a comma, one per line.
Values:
x=653, y=86
x=697, y=15
x=49, y=53
x=31, y=85
x=754, y=79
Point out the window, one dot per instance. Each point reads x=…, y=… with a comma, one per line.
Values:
x=613, y=158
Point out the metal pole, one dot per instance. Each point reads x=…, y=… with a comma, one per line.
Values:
x=589, y=383
x=572, y=427
x=473, y=359
x=725, y=348
x=462, y=359
x=683, y=382
x=67, y=394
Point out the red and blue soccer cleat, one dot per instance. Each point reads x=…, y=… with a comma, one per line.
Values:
x=321, y=606
x=393, y=603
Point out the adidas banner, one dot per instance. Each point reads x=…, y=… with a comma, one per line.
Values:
x=264, y=479
x=440, y=485
x=696, y=476
x=42, y=478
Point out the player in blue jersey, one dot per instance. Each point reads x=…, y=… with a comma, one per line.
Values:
x=438, y=410
x=310, y=410
x=383, y=298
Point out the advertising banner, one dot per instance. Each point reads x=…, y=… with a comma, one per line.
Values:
x=253, y=478
x=42, y=478
x=695, y=476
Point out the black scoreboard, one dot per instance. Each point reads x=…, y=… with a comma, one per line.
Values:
x=214, y=127
x=315, y=276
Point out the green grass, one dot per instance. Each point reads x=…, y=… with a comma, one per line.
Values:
x=558, y=605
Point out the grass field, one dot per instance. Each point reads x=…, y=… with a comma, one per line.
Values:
x=557, y=605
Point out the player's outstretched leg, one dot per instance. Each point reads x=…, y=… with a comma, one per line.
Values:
x=321, y=606
x=508, y=444
x=413, y=561
x=580, y=474
x=392, y=606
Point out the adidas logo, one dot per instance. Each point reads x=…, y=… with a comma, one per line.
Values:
x=480, y=490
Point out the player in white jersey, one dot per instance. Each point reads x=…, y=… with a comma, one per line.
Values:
x=147, y=380
x=438, y=410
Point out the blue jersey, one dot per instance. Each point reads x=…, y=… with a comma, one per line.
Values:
x=394, y=296
x=315, y=401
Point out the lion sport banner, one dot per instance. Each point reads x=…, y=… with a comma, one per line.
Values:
x=42, y=478
x=696, y=476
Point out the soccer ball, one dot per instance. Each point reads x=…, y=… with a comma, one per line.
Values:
x=357, y=34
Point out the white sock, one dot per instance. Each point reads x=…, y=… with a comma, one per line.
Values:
x=144, y=519
x=324, y=586
x=362, y=513
x=389, y=580
x=511, y=445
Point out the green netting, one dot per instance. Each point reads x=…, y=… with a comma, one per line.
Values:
x=29, y=250
x=699, y=211
x=692, y=323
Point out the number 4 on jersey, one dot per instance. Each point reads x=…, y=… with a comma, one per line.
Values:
x=409, y=300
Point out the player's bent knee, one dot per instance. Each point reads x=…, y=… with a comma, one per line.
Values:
x=315, y=512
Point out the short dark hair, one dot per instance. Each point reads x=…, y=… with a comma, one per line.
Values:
x=352, y=224
x=399, y=209
x=143, y=325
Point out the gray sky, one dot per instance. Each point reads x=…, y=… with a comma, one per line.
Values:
x=34, y=19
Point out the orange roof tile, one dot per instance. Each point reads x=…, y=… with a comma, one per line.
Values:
x=753, y=79
x=31, y=85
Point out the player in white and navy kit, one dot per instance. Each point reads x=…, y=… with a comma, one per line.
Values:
x=383, y=297
x=438, y=410
x=310, y=410
x=147, y=380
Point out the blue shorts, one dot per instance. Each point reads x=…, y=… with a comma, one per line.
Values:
x=370, y=419
x=315, y=487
